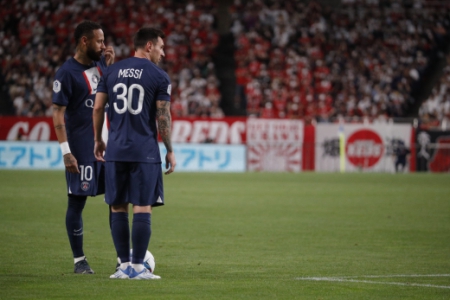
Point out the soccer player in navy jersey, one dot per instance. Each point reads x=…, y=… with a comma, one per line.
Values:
x=74, y=90
x=138, y=94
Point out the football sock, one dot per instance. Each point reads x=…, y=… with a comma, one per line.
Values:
x=138, y=267
x=124, y=266
x=120, y=231
x=140, y=236
x=77, y=259
x=110, y=212
x=74, y=224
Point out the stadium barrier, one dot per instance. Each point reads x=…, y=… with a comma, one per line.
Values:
x=250, y=144
x=190, y=157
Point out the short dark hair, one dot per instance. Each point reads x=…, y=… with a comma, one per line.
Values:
x=146, y=34
x=85, y=28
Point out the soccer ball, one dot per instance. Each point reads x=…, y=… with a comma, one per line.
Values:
x=149, y=260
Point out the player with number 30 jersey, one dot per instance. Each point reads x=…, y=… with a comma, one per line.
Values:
x=134, y=86
x=138, y=94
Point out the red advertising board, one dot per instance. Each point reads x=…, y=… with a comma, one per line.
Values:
x=219, y=131
x=27, y=129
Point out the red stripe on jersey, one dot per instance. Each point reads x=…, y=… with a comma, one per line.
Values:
x=107, y=121
x=99, y=71
x=87, y=82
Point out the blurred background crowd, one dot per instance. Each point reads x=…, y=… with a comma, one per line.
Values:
x=366, y=59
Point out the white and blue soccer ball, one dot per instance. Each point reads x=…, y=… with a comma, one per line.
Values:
x=149, y=260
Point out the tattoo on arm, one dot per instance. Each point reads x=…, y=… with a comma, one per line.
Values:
x=164, y=123
x=59, y=126
x=58, y=117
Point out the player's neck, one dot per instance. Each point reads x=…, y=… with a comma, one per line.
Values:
x=82, y=58
x=142, y=54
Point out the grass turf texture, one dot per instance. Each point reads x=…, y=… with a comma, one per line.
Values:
x=239, y=236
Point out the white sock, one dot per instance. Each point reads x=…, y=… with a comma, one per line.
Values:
x=77, y=259
x=124, y=266
x=138, y=267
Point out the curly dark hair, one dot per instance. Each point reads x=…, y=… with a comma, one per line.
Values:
x=86, y=29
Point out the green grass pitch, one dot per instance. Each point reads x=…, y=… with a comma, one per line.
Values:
x=240, y=236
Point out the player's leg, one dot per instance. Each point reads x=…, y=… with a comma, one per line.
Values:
x=140, y=235
x=145, y=190
x=74, y=221
x=120, y=231
x=397, y=163
x=116, y=181
x=140, y=238
x=74, y=227
x=110, y=229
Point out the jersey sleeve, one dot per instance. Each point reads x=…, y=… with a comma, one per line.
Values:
x=62, y=88
x=164, y=89
x=101, y=88
x=103, y=67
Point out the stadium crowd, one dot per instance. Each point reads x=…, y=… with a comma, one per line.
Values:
x=435, y=110
x=35, y=40
x=363, y=60
x=294, y=59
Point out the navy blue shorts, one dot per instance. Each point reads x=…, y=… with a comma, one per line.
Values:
x=133, y=182
x=90, y=181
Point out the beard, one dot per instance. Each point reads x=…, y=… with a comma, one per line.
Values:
x=92, y=54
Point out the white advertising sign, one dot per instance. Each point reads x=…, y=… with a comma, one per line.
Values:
x=274, y=145
x=369, y=147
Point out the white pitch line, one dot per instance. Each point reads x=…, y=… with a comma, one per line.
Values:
x=336, y=279
x=397, y=275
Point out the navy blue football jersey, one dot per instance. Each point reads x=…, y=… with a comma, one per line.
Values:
x=133, y=86
x=75, y=87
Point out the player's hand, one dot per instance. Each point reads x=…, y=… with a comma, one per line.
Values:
x=109, y=55
x=99, y=149
x=170, y=162
x=71, y=163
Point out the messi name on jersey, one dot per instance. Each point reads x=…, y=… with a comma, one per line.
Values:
x=136, y=73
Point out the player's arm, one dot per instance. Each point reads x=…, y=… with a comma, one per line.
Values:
x=164, y=120
x=60, y=129
x=109, y=55
x=98, y=117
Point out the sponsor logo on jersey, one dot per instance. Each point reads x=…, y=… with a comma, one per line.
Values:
x=85, y=185
x=92, y=77
x=169, y=89
x=56, y=86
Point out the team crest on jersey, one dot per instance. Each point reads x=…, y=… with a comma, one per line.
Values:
x=56, y=86
x=85, y=185
x=169, y=89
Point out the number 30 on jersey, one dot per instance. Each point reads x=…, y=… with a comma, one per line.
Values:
x=125, y=95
